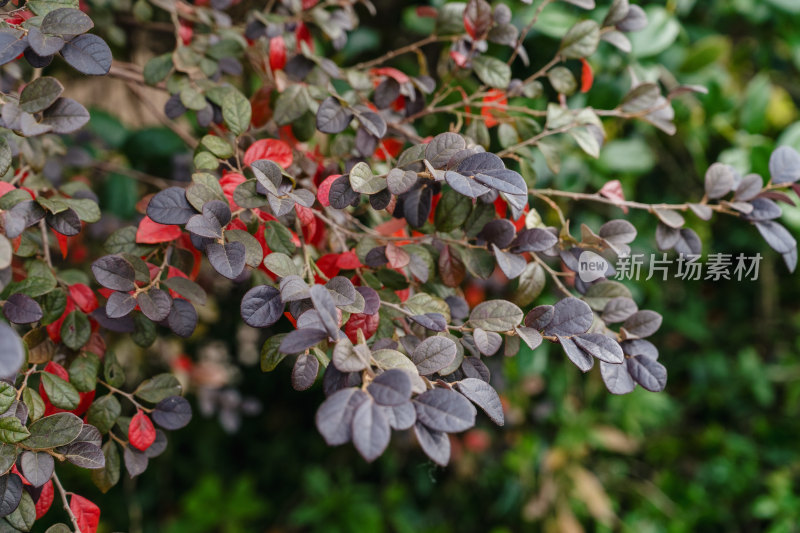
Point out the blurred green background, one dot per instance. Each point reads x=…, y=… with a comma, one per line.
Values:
x=718, y=451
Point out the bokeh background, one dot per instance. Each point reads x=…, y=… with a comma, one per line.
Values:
x=717, y=451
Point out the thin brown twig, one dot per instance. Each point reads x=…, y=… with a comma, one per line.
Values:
x=553, y=275
x=63, y=493
x=524, y=33
x=157, y=113
x=127, y=395
x=45, y=243
x=535, y=139
x=388, y=56
x=163, y=183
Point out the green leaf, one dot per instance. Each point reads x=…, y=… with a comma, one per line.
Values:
x=55, y=430
x=496, y=315
x=83, y=372
x=562, y=80
x=531, y=284
x=364, y=181
x=581, y=40
x=40, y=94
x=291, y=104
x=598, y=295
x=452, y=211
x=24, y=515
x=58, y=528
x=60, y=392
x=108, y=476
x=204, y=188
x=246, y=195
x=481, y=215
x=104, y=412
x=159, y=387
x=236, y=112
x=662, y=30
x=6, y=252
x=112, y=371
x=75, y=330
x=144, y=331
x=12, y=430
x=157, y=69
x=479, y=261
x=252, y=248
x=279, y=239
x=191, y=98
x=66, y=21
x=34, y=403
x=492, y=71
x=8, y=456
x=6, y=157
x=43, y=7
x=86, y=208
x=187, y=288
x=586, y=140
x=280, y=264
x=8, y=394
x=205, y=161
x=270, y=355
x=217, y=146
x=422, y=303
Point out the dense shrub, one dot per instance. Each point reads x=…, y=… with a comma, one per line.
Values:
x=358, y=237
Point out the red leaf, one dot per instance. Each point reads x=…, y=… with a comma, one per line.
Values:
x=494, y=104
x=84, y=297
x=229, y=182
x=262, y=111
x=390, y=147
x=587, y=76
x=303, y=35
x=359, y=321
x=307, y=221
x=459, y=58
x=403, y=294
x=324, y=189
x=62, y=244
x=5, y=186
x=57, y=370
x=398, y=258
x=277, y=53
x=86, y=398
x=54, y=328
x=477, y=18
x=348, y=261
x=185, y=32
x=469, y=26
x=272, y=149
x=96, y=345
x=397, y=75
x=15, y=470
x=141, y=433
x=613, y=191
x=86, y=513
x=427, y=11
x=45, y=500
x=777, y=196
x=392, y=226
x=150, y=232
x=329, y=264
